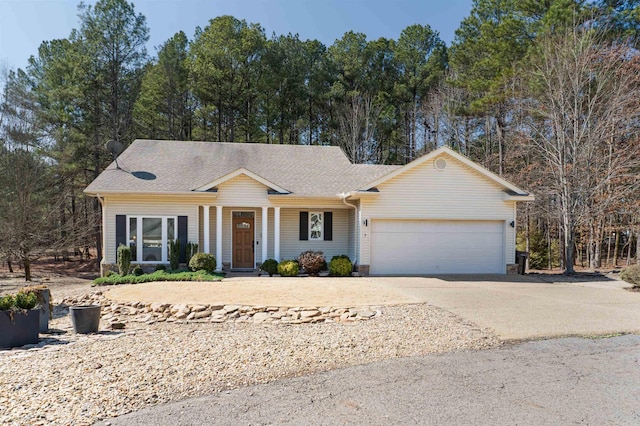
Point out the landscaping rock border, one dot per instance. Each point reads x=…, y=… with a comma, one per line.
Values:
x=117, y=314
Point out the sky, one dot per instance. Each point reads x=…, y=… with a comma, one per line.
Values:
x=24, y=24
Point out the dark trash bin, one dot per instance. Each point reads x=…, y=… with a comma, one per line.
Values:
x=521, y=260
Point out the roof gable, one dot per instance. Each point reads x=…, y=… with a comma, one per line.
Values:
x=242, y=171
x=432, y=155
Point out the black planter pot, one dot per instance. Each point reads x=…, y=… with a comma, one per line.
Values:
x=85, y=319
x=19, y=328
x=45, y=311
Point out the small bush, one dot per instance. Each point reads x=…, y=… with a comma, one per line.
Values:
x=270, y=266
x=161, y=267
x=202, y=262
x=137, y=270
x=6, y=302
x=288, y=268
x=25, y=300
x=311, y=261
x=341, y=256
x=631, y=274
x=190, y=250
x=108, y=273
x=116, y=279
x=174, y=254
x=124, y=259
x=340, y=266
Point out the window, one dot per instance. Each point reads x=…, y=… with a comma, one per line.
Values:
x=149, y=237
x=133, y=238
x=315, y=226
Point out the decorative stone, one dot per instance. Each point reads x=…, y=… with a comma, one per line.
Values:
x=261, y=316
x=309, y=314
x=117, y=325
x=231, y=308
x=157, y=307
x=198, y=308
x=201, y=314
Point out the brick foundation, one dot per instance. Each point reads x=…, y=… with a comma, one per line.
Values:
x=363, y=270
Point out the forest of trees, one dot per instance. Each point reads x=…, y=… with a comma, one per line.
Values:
x=543, y=93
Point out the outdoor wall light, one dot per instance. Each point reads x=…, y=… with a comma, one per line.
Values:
x=365, y=222
x=512, y=224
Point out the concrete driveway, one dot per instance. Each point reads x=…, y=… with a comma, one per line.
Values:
x=527, y=308
x=515, y=307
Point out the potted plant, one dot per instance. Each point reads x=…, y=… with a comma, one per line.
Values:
x=19, y=321
x=43, y=297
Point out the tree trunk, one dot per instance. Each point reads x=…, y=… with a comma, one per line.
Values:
x=615, y=248
x=27, y=267
x=569, y=239
x=638, y=247
x=629, y=248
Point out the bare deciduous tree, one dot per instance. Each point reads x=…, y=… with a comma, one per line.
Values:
x=581, y=104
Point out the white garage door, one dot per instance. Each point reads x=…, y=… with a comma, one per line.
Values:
x=415, y=247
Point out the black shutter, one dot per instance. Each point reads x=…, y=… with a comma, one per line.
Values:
x=182, y=237
x=121, y=231
x=328, y=226
x=304, y=226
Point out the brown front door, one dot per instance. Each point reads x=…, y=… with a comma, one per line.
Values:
x=242, y=242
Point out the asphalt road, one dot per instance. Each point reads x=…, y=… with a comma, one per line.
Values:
x=562, y=381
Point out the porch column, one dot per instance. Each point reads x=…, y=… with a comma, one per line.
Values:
x=276, y=234
x=218, y=238
x=205, y=237
x=265, y=222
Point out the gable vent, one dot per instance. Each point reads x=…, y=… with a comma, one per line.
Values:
x=440, y=164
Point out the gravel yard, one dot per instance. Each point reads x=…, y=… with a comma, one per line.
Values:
x=77, y=379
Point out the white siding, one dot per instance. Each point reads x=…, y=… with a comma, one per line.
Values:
x=291, y=246
x=242, y=191
x=456, y=193
x=150, y=206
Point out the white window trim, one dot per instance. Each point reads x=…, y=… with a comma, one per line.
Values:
x=165, y=239
x=321, y=237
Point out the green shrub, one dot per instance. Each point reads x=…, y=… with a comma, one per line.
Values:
x=202, y=262
x=631, y=274
x=340, y=266
x=137, y=270
x=158, y=276
x=341, y=256
x=288, y=268
x=6, y=302
x=124, y=259
x=270, y=266
x=539, y=249
x=174, y=254
x=26, y=300
x=190, y=250
x=311, y=261
x=161, y=267
x=108, y=273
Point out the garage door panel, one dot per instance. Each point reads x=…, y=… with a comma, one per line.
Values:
x=436, y=247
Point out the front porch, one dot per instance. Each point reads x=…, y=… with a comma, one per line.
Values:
x=241, y=238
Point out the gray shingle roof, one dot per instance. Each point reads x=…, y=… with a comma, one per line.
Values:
x=179, y=166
